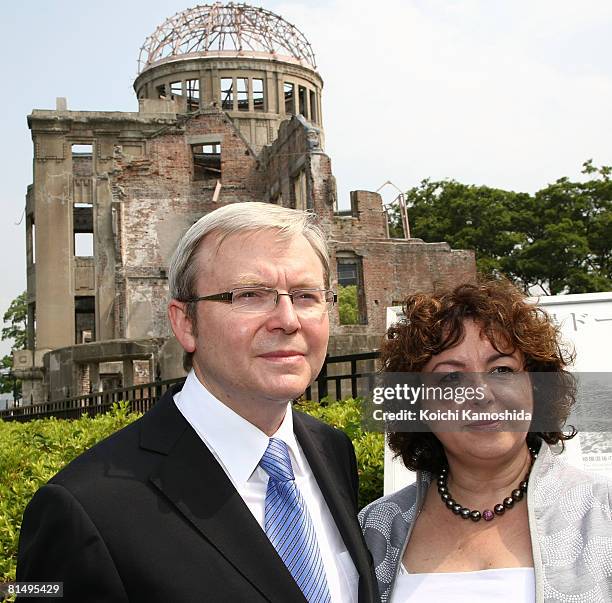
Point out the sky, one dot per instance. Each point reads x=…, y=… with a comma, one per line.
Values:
x=512, y=94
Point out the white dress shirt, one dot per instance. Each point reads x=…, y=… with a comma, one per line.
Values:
x=481, y=586
x=238, y=446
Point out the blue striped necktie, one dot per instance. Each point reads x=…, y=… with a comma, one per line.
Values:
x=289, y=526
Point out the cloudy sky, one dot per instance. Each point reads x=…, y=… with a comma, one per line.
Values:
x=512, y=94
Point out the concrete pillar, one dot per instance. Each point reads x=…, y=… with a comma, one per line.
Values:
x=128, y=373
x=104, y=242
x=54, y=261
x=94, y=377
x=215, y=87
x=280, y=94
x=307, y=99
x=75, y=384
x=270, y=94
x=320, y=113
x=152, y=369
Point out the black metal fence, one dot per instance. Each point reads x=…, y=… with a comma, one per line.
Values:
x=349, y=373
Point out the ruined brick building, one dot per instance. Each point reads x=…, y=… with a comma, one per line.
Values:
x=229, y=109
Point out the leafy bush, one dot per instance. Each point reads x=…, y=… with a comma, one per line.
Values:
x=33, y=452
x=369, y=446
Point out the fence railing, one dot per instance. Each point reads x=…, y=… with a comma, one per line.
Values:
x=141, y=398
x=347, y=372
x=348, y=378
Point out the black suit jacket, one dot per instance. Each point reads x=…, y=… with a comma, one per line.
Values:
x=149, y=515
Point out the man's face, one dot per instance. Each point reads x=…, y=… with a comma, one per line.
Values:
x=250, y=360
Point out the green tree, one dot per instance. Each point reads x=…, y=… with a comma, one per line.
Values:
x=568, y=235
x=348, y=305
x=15, y=329
x=466, y=217
x=557, y=240
x=7, y=383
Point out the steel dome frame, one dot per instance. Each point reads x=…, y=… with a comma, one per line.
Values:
x=222, y=28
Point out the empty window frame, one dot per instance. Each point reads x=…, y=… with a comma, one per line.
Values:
x=82, y=224
x=227, y=93
x=313, y=106
x=84, y=319
x=30, y=241
x=82, y=149
x=348, y=272
x=259, y=101
x=206, y=161
x=242, y=93
x=82, y=160
x=83, y=244
x=303, y=103
x=193, y=94
x=289, y=89
x=176, y=88
x=161, y=91
x=351, y=296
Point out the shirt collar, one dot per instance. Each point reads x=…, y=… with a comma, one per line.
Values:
x=285, y=433
x=238, y=444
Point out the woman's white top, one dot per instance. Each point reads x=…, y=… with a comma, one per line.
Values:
x=509, y=583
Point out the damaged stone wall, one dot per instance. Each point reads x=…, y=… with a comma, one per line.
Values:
x=299, y=148
x=140, y=179
x=82, y=166
x=392, y=269
x=157, y=199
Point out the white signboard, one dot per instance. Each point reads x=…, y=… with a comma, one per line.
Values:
x=586, y=323
x=396, y=475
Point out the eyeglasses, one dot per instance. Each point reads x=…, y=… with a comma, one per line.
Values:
x=306, y=302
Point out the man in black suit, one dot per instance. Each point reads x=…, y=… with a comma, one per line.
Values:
x=221, y=492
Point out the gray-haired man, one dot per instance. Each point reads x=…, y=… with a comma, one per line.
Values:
x=221, y=492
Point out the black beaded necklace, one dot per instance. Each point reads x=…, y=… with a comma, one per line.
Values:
x=487, y=514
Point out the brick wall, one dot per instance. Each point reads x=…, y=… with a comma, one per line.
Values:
x=392, y=268
x=158, y=200
x=151, y=199
x=82, y=166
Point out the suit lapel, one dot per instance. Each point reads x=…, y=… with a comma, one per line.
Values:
x=339, y=501
x=194, y=482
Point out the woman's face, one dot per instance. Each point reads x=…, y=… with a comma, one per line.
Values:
x=499, y=383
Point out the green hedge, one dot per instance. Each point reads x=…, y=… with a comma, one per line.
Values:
x=31, y=453
x=369, y=446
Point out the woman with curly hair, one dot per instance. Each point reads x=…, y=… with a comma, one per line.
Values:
x=493, y=512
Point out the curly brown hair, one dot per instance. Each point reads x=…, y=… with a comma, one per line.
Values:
x=435, y=322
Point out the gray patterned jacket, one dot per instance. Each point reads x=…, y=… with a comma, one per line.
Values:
x=570, y=522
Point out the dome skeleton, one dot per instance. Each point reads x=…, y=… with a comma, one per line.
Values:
x=225, y=28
